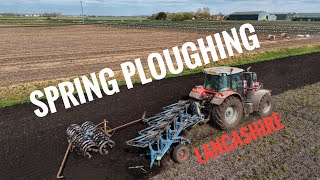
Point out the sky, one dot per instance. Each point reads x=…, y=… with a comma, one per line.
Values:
x=147, y=7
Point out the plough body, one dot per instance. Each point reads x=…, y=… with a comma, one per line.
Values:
x=165, y=130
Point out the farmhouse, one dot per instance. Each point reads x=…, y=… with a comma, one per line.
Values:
x=250, y=15
x=307, y=17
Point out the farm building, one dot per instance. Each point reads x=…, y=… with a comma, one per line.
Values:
x=284, y=16
x=272, y=17
x=307, y=17
x=251, y=15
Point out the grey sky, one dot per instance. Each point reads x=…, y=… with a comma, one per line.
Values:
x=146, y=7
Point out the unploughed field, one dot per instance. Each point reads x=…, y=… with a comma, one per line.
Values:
x=30, y=54
x=32, y=148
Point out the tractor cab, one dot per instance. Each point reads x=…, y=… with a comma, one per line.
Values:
x=223, y=78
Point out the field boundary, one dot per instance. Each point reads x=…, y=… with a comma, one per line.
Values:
x=19, y=94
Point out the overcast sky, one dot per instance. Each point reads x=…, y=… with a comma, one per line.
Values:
x=146, y=7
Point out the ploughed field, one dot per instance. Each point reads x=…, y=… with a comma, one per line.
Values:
x=31, y=54
x=32, y=147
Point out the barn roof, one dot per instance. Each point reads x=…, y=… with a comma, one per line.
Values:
x=248, y=13
x=282, y=13
x=307, y=15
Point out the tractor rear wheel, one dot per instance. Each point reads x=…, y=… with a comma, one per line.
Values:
x=180, y=153
x=228, y=114
x=265, y=106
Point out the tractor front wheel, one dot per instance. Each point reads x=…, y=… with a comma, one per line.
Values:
x=265, y=106
x=228, y=115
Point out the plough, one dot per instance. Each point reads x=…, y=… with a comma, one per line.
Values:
x=165, y=130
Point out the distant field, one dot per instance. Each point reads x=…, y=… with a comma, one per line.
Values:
x=62, y=20
x=262, y=27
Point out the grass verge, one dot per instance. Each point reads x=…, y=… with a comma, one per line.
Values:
x=18, y=94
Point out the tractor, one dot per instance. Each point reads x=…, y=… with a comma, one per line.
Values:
x=228, y=94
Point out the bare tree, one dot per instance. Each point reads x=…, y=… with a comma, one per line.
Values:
x=203, y=13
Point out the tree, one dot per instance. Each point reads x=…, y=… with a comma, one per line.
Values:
x=177, y=17
x=181, y=16
x=153, y=16
x=206, y=10
x=187, y=15
x=161, y=16
x=203, y=13
x=199, y=11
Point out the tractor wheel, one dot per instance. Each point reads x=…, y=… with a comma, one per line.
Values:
x=265, y=106
x=180, y=153
x=228, y=114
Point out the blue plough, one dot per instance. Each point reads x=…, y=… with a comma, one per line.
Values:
x=165, y=128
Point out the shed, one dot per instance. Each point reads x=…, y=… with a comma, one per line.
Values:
x=307, y=17
x=250, y=15
x=272, y=17
x=285, y=16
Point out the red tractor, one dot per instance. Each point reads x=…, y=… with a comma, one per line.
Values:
x=228, y=94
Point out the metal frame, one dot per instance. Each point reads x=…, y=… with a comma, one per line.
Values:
x=165, y=128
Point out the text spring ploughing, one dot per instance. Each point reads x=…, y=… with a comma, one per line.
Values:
x=192, y=55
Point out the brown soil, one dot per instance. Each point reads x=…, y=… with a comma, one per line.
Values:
x=32, y=147
x=31, y=54
x=38, y=53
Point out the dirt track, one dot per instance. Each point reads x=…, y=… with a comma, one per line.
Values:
x=32, y=147
x=30, y=54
